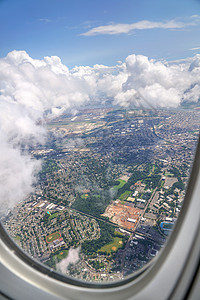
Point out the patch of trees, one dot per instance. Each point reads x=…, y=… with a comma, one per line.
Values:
x=96, y=264
x=107, y=234
x=175, y=172
x=179, y=185
x=92, y=205
x=184, y=169
x=137, y=175
x=157, y=169
x=146, y=196
x=45, y=219
x=49, y=166
x=152, y=181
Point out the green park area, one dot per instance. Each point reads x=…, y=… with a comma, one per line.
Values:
x=61, y=255
x=53, y=236
x=112, y=246
x=84, y=196
x=120, y=185
x=169, y=174
x=125, y=195
x=53, y=216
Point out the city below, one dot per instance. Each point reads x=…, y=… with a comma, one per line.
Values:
x=109, y=192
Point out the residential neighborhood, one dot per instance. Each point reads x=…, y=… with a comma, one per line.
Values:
x=111, y=187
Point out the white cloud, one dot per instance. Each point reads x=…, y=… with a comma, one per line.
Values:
x=195, y=16
x=17, y=174
x=72, y=258
x=157, y=84
x=127, y=28
x=45, y=20
x=195, y=48
x=31, y=90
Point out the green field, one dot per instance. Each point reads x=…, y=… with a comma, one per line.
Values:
x=62, y=255
x=84, y=196
x=53, y=236
x=125, y=195
x=118, y=233
x=53, y=216
x=120, y=185
x=113, y=246
x=169, y=174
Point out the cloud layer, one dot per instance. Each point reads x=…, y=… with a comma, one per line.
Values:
x=127, y=28
x=33, y=90
x=123, y=28
x=72, y=258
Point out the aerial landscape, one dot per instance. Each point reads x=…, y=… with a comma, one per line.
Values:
x=110, y=190
x=99, y=124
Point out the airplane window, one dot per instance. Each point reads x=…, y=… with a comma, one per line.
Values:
x=96, y=149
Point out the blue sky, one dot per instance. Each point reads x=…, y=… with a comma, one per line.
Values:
x=100, y=31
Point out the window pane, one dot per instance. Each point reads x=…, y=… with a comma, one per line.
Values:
x=95, y=158
x=109, y=192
